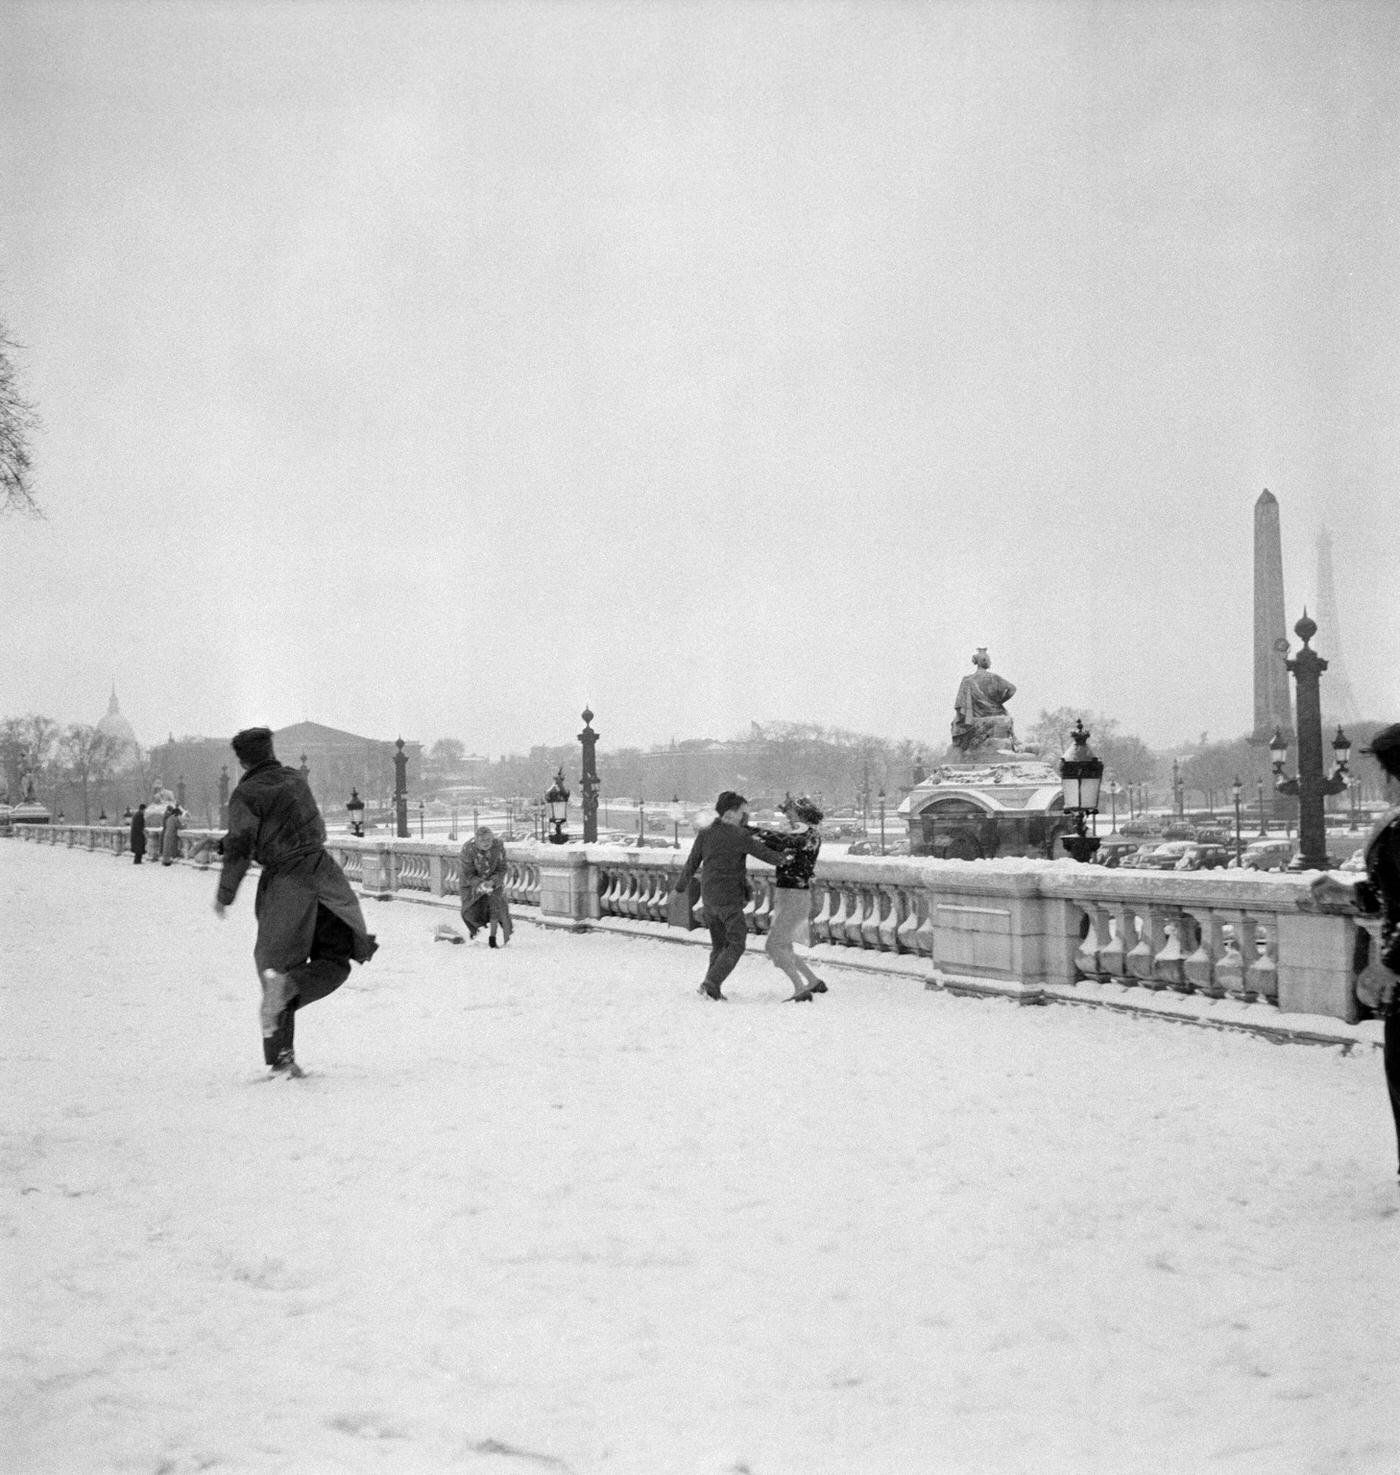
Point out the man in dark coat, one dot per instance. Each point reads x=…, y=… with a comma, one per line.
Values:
x=720, y=853
x=310, y=927
x=138, y=834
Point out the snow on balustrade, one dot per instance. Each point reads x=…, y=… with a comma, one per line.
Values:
x=1248, y=938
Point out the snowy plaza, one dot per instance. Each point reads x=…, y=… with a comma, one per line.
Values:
x=546, y=1209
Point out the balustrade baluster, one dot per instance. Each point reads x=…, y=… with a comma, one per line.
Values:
x=926, y=933
x=836, y=928
x=763, y=895
x=1199, y=967
x=906, y=934
x=887, y=931
x=1262, y=974
x=870, y=919
x=1167, y=962
x=1151, y=938
x=854, y=916
x=1093, y=943
x=820, y=924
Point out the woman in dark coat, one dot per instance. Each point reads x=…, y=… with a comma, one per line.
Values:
x=138, y=834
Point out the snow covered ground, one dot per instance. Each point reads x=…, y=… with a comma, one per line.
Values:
x=545, y=1209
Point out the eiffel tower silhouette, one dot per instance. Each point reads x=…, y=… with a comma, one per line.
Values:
x=1338, y=697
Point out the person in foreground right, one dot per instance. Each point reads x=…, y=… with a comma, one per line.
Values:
x=1378, y=986
x=1382, y=893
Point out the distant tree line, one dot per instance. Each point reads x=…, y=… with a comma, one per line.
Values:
x=80, y=771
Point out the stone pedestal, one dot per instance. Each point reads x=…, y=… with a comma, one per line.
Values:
x=568, y=889
x=1008, y=805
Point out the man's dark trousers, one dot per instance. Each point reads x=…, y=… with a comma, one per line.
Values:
x=326, y=969
x=728, y=935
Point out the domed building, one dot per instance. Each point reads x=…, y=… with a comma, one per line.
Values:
x=116, y=726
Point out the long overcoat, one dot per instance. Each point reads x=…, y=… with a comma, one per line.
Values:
x=138, y=831
x=273, y=819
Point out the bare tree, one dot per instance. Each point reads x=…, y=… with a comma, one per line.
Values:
x=89, y=757
x=17, y=419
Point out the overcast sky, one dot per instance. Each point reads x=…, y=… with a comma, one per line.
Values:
x=435, y=369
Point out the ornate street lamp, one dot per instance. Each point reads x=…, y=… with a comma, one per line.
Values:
x=641, y=819
x=557, y=802
x=1237, y=788
x=1114, y=789
x=882, y=821
x=1263, y=821
x=676, y=820
x=420, y=819
x=356, y=807
x=1309, y=785
x=1081, y=773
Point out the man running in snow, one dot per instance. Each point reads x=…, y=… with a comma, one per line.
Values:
x=720, y=853
x=310, y=927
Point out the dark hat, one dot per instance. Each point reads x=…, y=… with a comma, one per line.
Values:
x=1385, y=749
x=254, y=745
x=729, y=800
x=1387, y=740
x=802, y=809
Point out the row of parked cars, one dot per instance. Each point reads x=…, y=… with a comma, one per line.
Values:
x=1125, y=853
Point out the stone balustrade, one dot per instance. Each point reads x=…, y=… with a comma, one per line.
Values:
x=1029, y=925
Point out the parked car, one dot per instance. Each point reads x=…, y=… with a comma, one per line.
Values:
x=1179, y=829
x=1157, y=857
x=1213, y=835
x=1198, y=857
x=1267, y=855
x=1140, y=829
x=872, y=847
x=1114, y=850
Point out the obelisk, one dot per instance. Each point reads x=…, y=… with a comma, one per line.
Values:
x=1273, y=702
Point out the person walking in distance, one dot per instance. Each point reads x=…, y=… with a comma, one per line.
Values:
x=481, y=884
x=720, y=854
x=310, y=927
x=792, y=894
x=138, y=834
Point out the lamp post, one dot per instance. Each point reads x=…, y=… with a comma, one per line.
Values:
x=453, y=833
x=420, y=819
x=1178, y=788
x=882, y=821
x=588, y=784
x=400, y=791
x=1237, y=788
x=356, y=807
x=557, y=800
x=1113, y=792
x=676, y=820
x=1081, y=773
x=1309, y=785
x=641, y=819
x=1263, y=821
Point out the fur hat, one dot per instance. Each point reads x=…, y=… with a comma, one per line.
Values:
x=802, y=809
x=253, y=746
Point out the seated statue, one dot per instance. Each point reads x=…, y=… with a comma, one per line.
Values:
x=980, y=719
